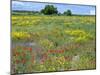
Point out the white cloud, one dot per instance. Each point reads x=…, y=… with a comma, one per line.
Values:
x=17, y=3
x=92, y=12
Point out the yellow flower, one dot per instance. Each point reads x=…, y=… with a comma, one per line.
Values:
x=20, y=35
x=79, y=35
x=46, y=43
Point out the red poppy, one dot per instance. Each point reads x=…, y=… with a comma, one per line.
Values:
x=30, y=49
x=17, y=61
x=62, y=51
x=16, y=54
x=23, y=61
x=50, y=51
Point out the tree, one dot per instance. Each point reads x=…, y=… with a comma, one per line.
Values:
x=59, y=14
x=49, y=10
x=68, y=13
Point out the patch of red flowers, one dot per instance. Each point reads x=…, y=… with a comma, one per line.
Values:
x=28, y=48
x=16, y=53
x=56, y=51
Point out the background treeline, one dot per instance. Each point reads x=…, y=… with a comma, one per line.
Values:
x=48, y=10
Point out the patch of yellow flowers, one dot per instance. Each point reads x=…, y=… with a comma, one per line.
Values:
x=20, y=35
x=79, y=35
x=75, y=32
x=61, y=60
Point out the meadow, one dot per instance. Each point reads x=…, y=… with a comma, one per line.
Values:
x=53, y=43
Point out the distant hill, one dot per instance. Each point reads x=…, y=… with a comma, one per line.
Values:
x=24, y=12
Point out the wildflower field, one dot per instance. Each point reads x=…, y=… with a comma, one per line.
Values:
x=53, y=43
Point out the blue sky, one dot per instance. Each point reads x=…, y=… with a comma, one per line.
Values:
x=76, y=9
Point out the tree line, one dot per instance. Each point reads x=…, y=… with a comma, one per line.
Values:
x=50, y=9
x=47, y=10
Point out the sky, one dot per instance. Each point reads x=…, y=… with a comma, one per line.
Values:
x=36, y=6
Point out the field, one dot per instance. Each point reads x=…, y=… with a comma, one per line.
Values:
x=53, y=43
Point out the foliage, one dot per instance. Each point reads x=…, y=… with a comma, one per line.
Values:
x=49, y=9
x=22, y=58
x=68, y=13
